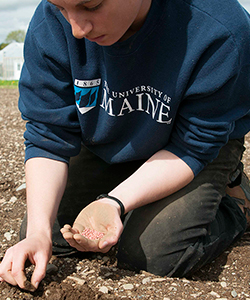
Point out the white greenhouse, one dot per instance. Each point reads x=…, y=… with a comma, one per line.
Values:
x=11, y=61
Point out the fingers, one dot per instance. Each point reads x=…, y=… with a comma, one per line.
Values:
x=67, y=228
x=68, y=233
x=77, y=241
x=12, y=267
x=39, y=271
x=11, y=272
x=69, y=237
x=7, y=276
x=84, y=244
x=18, y=272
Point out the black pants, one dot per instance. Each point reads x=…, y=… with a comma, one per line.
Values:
x=173, y=236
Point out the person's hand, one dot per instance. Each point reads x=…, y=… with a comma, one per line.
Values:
x=100, y=216
x=37, y=249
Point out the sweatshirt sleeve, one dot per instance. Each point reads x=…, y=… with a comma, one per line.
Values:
x=46, y=97
x=216, y=98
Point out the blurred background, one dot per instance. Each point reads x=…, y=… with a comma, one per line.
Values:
x=15, y=16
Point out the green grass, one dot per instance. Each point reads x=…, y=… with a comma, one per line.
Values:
x=8, y=83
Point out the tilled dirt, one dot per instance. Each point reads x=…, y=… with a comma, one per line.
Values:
x=96, y=276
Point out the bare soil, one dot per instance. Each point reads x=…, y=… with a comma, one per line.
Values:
x=96, y=276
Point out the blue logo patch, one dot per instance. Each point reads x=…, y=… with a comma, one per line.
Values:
x=86, y=94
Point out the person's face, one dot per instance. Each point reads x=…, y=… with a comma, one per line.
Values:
x=104, y=21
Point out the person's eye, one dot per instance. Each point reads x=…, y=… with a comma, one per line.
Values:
x=93, y=8
x=59, y=8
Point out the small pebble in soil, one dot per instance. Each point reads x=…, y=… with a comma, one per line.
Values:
x=103, y=289
x=8, y=236
x=51, y=269
x=234, y=294
x=128, y=286
x=21, y=187
x=92, y=234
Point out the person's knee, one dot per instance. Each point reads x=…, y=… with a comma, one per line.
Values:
x=161, y=245
x=160, y=259
x=158, y=237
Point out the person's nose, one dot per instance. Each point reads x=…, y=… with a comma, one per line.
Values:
x=80, y=27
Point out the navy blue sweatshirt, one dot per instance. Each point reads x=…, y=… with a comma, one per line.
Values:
x=181, y=83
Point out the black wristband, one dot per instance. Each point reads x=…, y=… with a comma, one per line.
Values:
x=115, y=199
